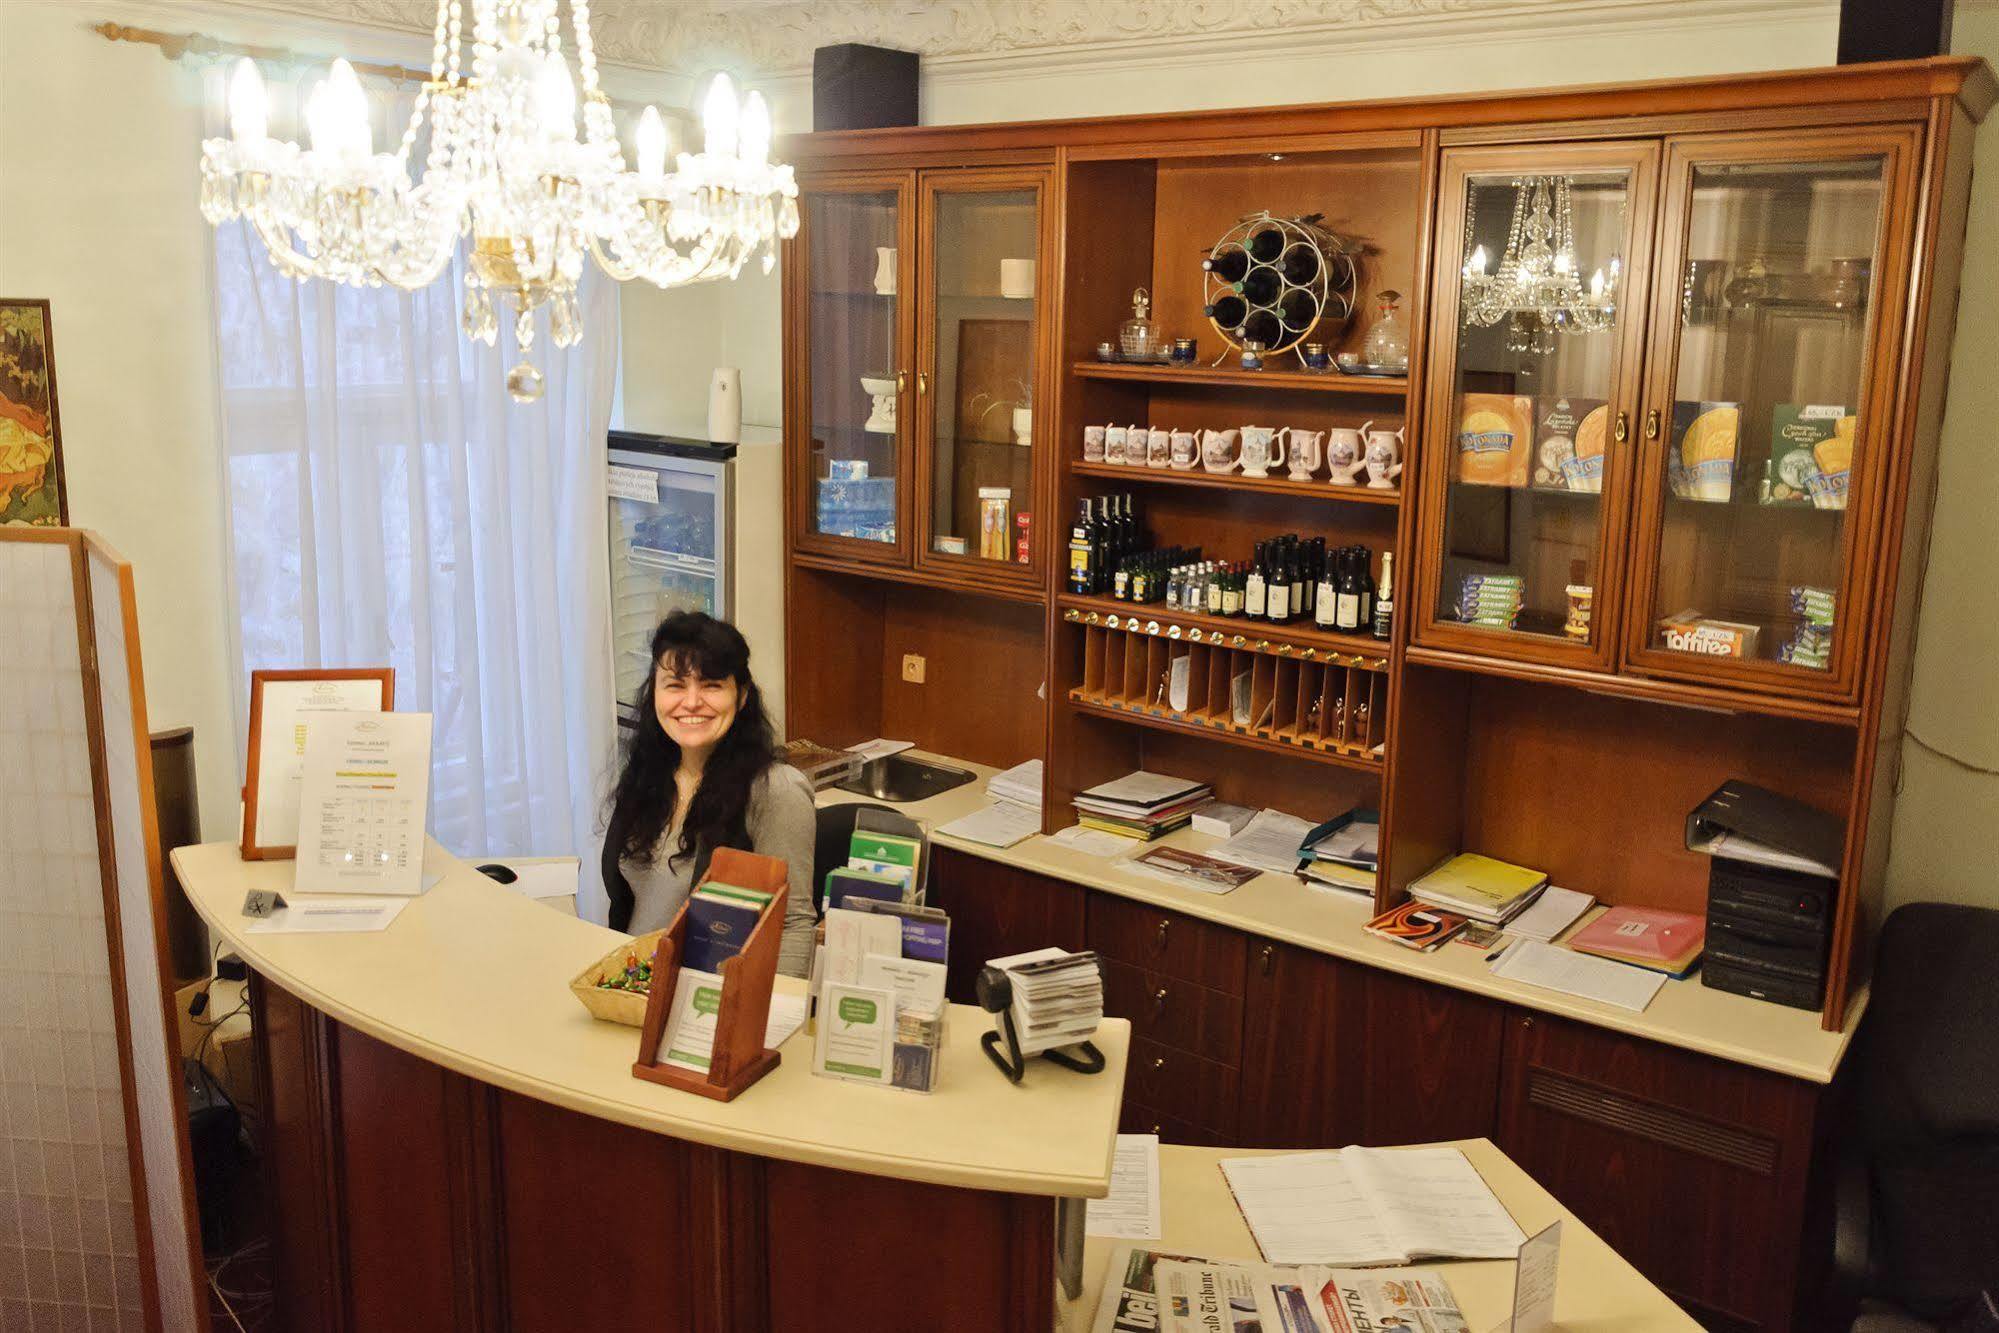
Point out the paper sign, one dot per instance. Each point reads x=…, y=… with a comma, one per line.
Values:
x=363, y=800
x=1534, y=1281
x=287, y=712
x=634, y=483
x=856, y=1024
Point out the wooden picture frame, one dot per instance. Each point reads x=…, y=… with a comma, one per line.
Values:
x=32, y=492
x=256, y=799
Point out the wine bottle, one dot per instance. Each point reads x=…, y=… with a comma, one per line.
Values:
x=1300, y=263
x=1083, y=551
x=1365, y=559
x=1301, y=579
x=1255, y=591
x=1228, y=263
x=1228, y=312
x=1277, y=595
x=1261, y=286
x=1384, y=598
x=1266, y=243
x=1232, y=592
x=1346, y=614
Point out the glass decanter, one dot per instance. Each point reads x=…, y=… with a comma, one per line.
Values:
x=1138, y=337
x=1387, y=343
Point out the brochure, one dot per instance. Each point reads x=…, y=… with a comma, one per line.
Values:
x=856, y=1032
x=1191, y=870
x=690, y=1029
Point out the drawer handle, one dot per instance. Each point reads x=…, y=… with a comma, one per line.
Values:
x=1164, y=922
x=1159, y=1002
x=1158, y=1062
x=1155, y=1128
x=1265, y=956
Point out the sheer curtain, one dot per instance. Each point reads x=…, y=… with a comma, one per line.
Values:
x=390, y=503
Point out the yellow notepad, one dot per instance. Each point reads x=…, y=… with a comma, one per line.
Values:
x=1478, y=880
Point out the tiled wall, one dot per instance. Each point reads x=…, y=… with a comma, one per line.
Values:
x=68, y=1250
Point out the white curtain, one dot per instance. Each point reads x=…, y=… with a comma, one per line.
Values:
x=390, y=503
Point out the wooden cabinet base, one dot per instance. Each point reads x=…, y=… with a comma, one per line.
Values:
x=406, y=1196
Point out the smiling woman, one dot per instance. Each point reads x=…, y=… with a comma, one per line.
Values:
x=702, y=772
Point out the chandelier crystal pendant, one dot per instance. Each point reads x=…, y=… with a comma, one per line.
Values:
x=503, y=164
x=1537, y=288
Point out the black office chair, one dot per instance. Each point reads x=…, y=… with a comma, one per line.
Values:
x=1918, y=1219
x=834, y=834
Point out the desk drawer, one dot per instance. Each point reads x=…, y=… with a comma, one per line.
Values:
x=1185, y=1086
x=1172, y=943
x=1174, y=1013
x=1137, y=1118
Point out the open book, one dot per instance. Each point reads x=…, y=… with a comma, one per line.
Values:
x=1362, y=1207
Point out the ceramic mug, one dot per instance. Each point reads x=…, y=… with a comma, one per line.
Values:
x=1016, y=279
x=1114, y=444
x=1384, y=459
x=1158, y=447
x=1305, y=445
x=1262, y=449
x=1093, y=444
x=1218, y=451
x=1137, y=440
x=1186, y=450
x=1344, y=454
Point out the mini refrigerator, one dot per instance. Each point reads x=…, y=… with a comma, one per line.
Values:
x=672, y=548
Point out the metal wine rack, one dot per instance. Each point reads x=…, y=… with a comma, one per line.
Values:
x=1273, y=281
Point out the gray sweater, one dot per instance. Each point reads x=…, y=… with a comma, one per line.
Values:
x=782, y=822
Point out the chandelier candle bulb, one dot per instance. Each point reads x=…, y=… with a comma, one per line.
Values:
x=249, y=113
x=755, y=132
x=718, y=117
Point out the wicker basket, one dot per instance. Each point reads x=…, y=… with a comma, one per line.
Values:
x=615, y=1006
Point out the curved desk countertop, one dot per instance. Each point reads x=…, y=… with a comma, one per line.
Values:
x=475, y=978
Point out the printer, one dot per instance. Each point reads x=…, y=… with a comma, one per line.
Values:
x=1772, y=891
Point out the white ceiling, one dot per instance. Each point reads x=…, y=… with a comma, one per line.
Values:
x=776, y=37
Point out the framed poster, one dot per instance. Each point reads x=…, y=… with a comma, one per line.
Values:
x=281, y=707
x=31, y=485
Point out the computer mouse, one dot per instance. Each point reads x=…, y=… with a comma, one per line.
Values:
x=496, y=871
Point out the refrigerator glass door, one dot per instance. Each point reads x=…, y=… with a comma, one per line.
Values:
x=669, y=552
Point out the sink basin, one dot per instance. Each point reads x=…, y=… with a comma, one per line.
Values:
x=899, y=779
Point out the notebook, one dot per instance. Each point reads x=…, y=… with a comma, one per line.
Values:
x=1364, y=1207
x=1481, y=887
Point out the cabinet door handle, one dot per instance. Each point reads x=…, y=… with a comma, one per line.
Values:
x=1160, y=942
x=901, y=380
x=1652, y=424
x=1159, y=1062
x=922, y=383
x=1265, y=956
x=1622, y=430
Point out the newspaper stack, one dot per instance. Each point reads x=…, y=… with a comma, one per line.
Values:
x=1058, y=997
x=1020, y=784
x=1810, y=644
x=1148, y=1291
x=1492, y=600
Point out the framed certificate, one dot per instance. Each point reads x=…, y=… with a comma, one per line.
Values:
x=281, y=707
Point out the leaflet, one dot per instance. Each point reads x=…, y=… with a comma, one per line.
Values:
x=1131, y=1210
x=856, y=1033
x=288, y=711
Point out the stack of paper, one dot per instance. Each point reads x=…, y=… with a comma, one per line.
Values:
x=1271, y=841
x=1191, y=870
x=1020, y=784
x=1163, y=1292
x=1480, y=887
x=1141, y=805
x=1669, y=942
x=1533, y=963
x=1362, y=1207
x=1058, y=997
x=1554, y=911
x=1343, y=853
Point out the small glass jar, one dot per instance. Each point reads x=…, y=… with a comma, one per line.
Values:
x=1252, y=355
x=1184, y=351
x=1315, y=357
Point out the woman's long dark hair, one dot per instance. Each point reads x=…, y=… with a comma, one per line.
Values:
x=642, y=804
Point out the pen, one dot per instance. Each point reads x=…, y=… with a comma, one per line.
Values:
x=1500, y=950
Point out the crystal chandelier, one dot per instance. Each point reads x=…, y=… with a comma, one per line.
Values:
x=1537, y=289
x=502, y=164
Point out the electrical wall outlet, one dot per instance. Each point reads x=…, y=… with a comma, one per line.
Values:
x=912, y=668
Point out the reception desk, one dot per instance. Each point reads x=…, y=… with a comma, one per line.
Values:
x=451, y=1142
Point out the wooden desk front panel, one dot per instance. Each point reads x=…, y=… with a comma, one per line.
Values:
x=405, y=1196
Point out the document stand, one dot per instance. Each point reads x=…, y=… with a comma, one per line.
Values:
x=1003, y=1046
x=738, y=1058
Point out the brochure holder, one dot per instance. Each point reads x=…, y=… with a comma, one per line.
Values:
x=739, y=1057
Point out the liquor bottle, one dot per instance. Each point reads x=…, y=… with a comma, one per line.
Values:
x=1346, y=615
x=1255, y=591
x=1216, y=590
x=1365, y=559
x=1277, y=592
x=1228, y=263
x=1301, y=580
x=1083, y=551
x=1232, y=591
x=1326, y=597
x=1384, y=598
x=1121, y=580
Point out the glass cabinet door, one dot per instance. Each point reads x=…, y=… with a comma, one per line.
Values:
x=1539, y=289
x=855, y=239
x=980, y=335
x=1762, y=454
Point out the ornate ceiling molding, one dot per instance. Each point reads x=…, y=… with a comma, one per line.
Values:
x=775, y=38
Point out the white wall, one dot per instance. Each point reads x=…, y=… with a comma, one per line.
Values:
x=98, y=149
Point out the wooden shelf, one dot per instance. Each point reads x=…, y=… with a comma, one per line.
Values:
x=930, y=578
x=1302, y=636
x=1331, y=381
x=1678, y=694
x=1145, y=717
x=1317, y=489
